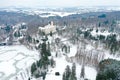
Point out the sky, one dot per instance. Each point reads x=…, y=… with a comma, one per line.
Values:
x=58, y=3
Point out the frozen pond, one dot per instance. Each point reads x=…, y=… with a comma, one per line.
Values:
x=13, y=59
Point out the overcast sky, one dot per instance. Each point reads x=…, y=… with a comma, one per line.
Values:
x=58, y=3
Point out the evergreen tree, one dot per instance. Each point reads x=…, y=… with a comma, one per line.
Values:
x=73, y=73
x=99, y=24
x=52, y=62
x=51, y=33
x=82, y=75
x=109, y=69
x=97, y=31
x=29, y=38
x=8, y=28
x=43, y=49
x=44, y=55
x=49, y=53
x=43, y=62
x=17, y=34
x=44, y=75
x=67, y=73
x=56, y=55
x=33, y=68
x=86, y=34
x=29, y=78
x=46, y=37
x=64, y=76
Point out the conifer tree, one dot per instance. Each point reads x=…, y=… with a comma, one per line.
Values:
x=73, y=73
x=64, y=76
x=33, y=68
x=67, y=73
x=51, y=33
x=49, y=53
x=82, y=75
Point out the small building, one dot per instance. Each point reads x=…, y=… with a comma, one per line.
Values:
x=47, y=29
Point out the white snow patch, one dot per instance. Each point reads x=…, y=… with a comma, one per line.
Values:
x=19, y=57
x=90, y=73
x=7, y=55
x=89, y=47
x=105, y=33
x=61, y=64
x=7, y=68
x=73, y=51
x=12, y=56
x=24, y=63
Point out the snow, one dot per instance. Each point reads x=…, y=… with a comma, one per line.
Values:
x=73, y=51
x=61, y=64
x=89, y=47
x=47, y=12
x=19, y=57
x=6, y=55
x=7, y=68
x=61, y=14
x=90, y=73
x=110, y=56
x=105, y=33
x=15, y=58
x=25, y=62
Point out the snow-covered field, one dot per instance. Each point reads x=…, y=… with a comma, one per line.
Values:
x=51, y=13
x=61, y=64
x=14, y=59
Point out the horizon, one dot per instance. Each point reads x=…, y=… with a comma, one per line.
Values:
x=58, y=3
x=46, y=7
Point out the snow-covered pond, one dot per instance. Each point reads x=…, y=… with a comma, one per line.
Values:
x=13, y=59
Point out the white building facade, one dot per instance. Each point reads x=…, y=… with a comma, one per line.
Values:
x=48, y=28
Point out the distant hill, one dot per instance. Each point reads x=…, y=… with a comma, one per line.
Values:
x=85, y=19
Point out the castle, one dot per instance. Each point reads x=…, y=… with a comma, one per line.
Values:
x=48, y=28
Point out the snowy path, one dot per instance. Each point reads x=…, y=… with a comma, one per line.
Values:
x=14, y=59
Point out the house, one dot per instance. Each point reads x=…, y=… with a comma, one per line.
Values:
x=47, y=29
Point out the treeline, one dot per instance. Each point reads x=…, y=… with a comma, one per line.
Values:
x=100, y=19
x=110, y=40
